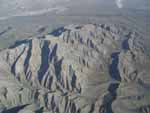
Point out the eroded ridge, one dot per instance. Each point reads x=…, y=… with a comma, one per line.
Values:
x=75, y=69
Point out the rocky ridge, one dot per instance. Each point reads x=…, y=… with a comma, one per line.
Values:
x=76, y=69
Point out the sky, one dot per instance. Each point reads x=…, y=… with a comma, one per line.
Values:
x=10, y=8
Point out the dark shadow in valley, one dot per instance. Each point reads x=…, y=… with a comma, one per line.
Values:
x=125, y=44
x=15, y=109
x=58, y=69
x=113, y=68
x=19, y=42
x=58, y=31
x=114, y=73
x=13, y=70
x=45, y=60
x=53, y=53
x=26, y=63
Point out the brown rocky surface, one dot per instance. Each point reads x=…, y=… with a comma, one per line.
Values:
x=76, y=69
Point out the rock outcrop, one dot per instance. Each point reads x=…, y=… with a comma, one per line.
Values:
x=76, y=69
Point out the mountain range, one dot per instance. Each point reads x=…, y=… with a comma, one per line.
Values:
x=91, y=68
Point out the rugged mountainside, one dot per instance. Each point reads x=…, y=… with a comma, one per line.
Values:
x=76, y=69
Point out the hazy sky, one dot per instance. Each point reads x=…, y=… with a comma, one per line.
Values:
x=30, y=7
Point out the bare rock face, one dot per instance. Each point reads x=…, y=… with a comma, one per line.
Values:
x=76, y=69
x=133, y=95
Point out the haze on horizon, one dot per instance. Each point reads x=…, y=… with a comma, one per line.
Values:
x=10, y=8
